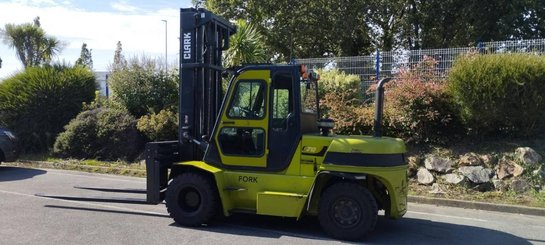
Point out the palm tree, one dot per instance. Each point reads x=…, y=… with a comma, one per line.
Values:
x=31, y=43
x=246, y=46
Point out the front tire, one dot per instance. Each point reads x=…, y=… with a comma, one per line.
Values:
x=347, y=211
x=192, y=199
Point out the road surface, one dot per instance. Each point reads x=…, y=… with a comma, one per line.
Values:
x=29, y=219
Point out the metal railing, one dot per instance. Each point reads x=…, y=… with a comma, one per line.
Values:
x=378, y=65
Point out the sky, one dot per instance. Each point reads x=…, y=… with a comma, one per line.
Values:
x=101, y=24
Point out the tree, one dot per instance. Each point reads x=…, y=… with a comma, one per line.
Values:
x=246, y=46
x=142, y=86
x=119, y=59
x=33, y=46
x=85, y=57
x=297, y=29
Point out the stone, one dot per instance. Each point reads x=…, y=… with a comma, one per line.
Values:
x=438, y=164
x=528, y=156
x=436, y=189
x=470, y=159
x=507, y=168
x=476, y=174
x=499, y=185
x=454, y=178
x=413, y=163
x=539, y=173
x=520, y=186
x=489, y=160
x=424, y=176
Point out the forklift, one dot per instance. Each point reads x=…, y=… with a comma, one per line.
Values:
x=260, y=145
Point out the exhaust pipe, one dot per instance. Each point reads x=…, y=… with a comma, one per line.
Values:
x=379, y=102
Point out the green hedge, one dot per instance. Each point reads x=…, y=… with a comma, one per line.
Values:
x=500, y=94
x=39, y=101
x=102, y=133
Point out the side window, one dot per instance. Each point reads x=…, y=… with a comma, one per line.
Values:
x=248, y=101
x=242, y=141
x=282, y=101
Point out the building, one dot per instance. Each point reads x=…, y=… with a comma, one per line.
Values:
x=102, y=80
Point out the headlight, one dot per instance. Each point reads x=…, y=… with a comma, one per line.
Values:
x=10, y=135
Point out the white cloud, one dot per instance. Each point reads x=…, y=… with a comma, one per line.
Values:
x=142, y=33
x=124, y=6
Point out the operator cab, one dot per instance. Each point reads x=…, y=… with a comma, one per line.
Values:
x=265, y=111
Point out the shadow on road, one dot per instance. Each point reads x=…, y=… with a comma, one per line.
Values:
x=108, y=211
x=421, y=231
x=16, y=173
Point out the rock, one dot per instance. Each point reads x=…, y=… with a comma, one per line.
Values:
x=539, y=173
x=470, y=159
x=424, y=176
x=528, y=156
x=436, y=189
x=438, y=164
x=413, y=163
x=454, y=178
x=476, y=174
x=499, y=185
x=520, y=186
x=489, y=160
x=507, y=168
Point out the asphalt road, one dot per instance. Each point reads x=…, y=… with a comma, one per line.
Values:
x=29, y=219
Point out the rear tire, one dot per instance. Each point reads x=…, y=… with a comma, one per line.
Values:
x=347, y=211
x=192, y=199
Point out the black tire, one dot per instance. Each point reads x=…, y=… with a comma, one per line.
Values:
x=192, y=199
x=347, y=211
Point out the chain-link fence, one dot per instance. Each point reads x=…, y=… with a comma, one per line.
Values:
x=386, y=64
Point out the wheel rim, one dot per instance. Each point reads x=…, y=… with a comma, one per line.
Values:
x=346, y=212
x=189, y=199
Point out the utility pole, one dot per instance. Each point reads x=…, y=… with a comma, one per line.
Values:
x=166, y=49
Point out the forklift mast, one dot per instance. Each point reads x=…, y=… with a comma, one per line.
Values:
x=203, y=38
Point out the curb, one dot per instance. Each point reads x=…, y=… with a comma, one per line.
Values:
x=506, y=208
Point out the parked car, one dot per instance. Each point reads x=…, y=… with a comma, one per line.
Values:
x=8, y=146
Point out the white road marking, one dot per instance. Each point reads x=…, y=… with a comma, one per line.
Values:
x=447, y=216
x=85, y=203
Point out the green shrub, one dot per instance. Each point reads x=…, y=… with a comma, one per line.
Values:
x=102, y=133
x=342, y=100
x=500, y=93
x=337, y=81
x=142, y=87
x=39, y=101
x=159, y=126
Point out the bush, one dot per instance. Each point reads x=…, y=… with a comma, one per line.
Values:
x=500, y=93
x=159, y=126
x=39, y=101
x=143, y=87
x=102, y=133
x=418, y=108
x=342, y=101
